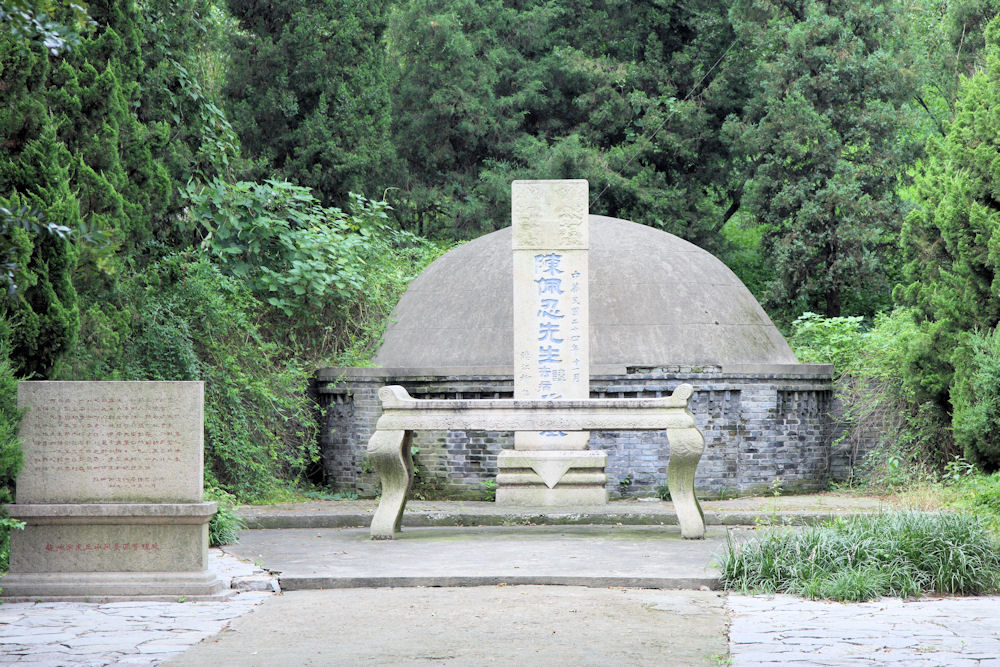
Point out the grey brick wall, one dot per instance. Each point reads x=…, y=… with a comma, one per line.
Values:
x=758, y=428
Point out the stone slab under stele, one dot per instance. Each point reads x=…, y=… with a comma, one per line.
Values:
x=105, y=551
x=551, y=466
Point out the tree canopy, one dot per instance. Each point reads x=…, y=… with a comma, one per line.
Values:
x=237, y=191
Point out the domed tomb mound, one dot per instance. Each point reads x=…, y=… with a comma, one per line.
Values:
x=655, y=300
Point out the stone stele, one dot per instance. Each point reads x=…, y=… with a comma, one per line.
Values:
x=111, y=493
x=550, y=243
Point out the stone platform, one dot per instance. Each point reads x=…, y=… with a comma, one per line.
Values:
x=624, y=543
x=750, y=511
x=591, y=556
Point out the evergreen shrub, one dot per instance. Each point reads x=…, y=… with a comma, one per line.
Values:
x=975, y=396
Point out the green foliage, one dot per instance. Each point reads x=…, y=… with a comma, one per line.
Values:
x=12, y=249
x=860, y=558
x=10, y=446
x=6, y=525
x=945, y=42
x=975, y=396
x=951, y=249
x=331, y=276
x=93, y=95
x=180, y=91
x=744, y=256
x=196, y=324
x=878, y=410
x=182, y=319
x=39, y=212
x=29, y=22
x=978, y=494
x=625, y=486
x=226, y=524
x=96, y=231
x=10, y=418
x=491, y=91
x=827, y=340
x=278, y=239
x=308, y=95
x=825, y=149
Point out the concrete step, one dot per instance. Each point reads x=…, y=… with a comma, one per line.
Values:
x=594, y=556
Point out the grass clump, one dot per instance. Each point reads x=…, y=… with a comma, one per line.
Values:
x=904, y=554
x=978, y=494
x=226, y=524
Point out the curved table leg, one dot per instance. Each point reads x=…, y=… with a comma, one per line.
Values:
x=686, y=447
x=389, y=453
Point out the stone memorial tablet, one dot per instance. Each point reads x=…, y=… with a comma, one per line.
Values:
x=111, y=493
x=111, y=442
x=550, y=239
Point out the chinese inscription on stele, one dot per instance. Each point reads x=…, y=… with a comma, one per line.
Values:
x=129, y=441
x=551, y=317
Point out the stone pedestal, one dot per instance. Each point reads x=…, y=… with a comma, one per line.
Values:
x=104, y=550
x=111, y=493
x=557, y=478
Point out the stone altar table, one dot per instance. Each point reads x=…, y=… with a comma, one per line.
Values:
x=389, y=447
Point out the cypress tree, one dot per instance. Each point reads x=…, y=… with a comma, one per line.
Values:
x=825, y=150
x=308, y=94
x=182, y=59
x=93, y=96
x=41, y=303
x=951, y=245
x=490, y=91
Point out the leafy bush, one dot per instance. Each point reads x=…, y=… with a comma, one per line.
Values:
x=226, y=524
x=893, y=435
x=6, y=525
x=197, y=324
x=975, y=397
x=181, y=319
x=331, y=277
x=860, y=558
x=979, y=494
x=827, y=340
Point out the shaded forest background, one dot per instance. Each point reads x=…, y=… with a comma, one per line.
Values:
x=237, y=192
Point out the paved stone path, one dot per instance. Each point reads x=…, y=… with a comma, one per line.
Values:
x=123, y=633
x=930, y=631
x=763, y=630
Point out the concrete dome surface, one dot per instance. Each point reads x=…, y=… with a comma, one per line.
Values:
x=655, y=300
